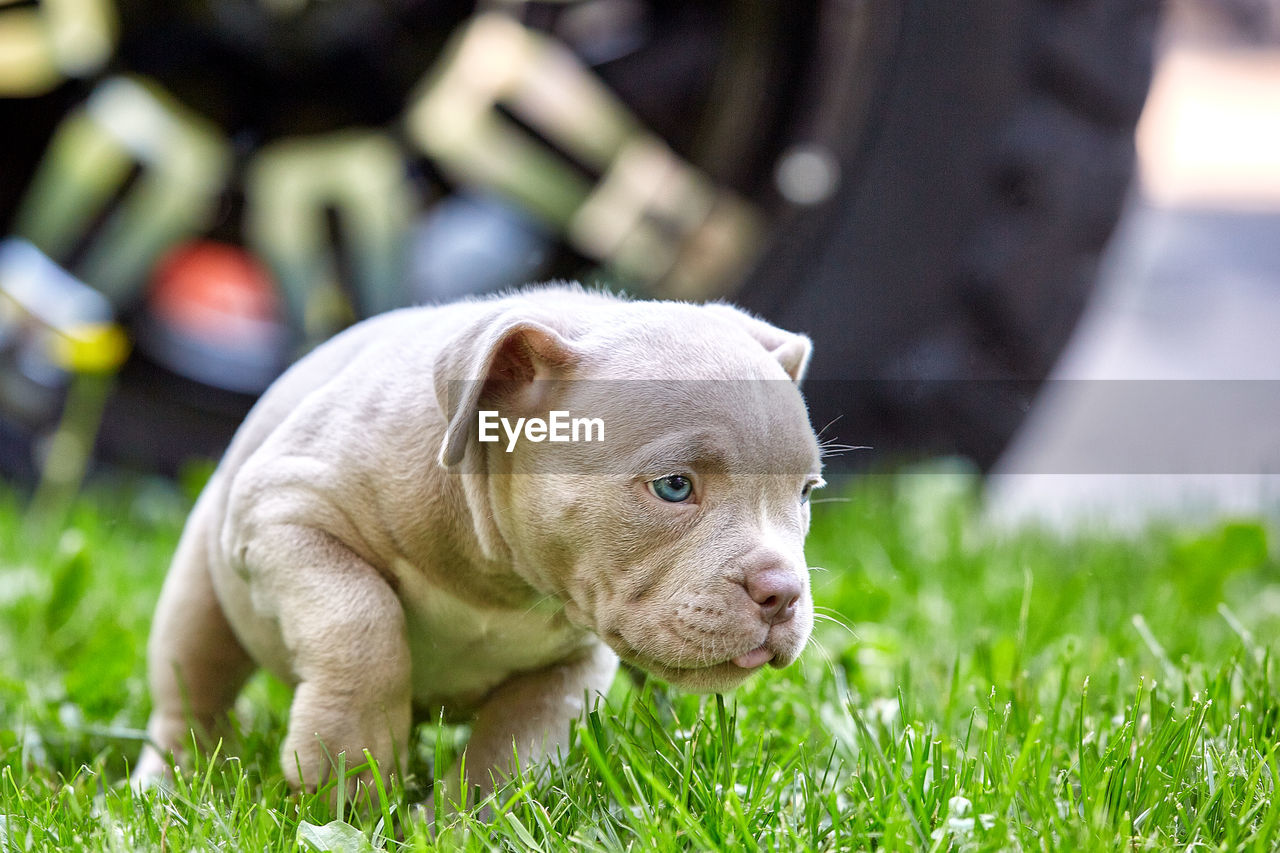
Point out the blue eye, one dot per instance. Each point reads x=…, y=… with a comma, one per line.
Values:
x=674, y=489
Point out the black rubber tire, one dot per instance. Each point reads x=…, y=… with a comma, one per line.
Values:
x=943, y=279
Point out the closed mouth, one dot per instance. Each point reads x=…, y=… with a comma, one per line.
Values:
x=755, y=658
x=748, y=660
x=770, y=650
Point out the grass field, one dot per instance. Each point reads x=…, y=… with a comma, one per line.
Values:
x=966, y=690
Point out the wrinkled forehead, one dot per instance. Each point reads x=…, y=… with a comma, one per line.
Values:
x=738, y=426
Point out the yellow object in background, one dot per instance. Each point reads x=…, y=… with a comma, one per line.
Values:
x=69, y=324
x=43, y=45
x=65, y=335
x=90, y=348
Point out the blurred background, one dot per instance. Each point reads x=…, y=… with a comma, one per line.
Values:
x=1166, y=401
x=195, y=193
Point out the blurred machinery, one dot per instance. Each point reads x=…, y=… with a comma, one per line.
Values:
x=223, y=184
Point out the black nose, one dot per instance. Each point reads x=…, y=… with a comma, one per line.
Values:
x=776, y=590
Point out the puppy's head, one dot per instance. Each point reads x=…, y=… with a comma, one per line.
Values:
x=679, y=538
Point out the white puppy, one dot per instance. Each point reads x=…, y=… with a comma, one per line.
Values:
x=362, y=542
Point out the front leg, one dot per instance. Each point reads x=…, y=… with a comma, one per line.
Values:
x=530, y=715
x=343, y=629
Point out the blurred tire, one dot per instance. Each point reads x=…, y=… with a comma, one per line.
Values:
x=945, y=276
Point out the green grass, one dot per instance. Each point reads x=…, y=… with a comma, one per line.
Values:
x=966, y=690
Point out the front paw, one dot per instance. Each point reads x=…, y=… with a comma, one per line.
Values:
x=328, y=738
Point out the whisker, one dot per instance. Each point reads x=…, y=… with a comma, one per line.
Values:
x=830, y=500
x=830, y=449
x=827, y=617
x=837, y=675
x=534, y=606
x=830, y=424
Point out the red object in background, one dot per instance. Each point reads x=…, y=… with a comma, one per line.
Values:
x=215, y=291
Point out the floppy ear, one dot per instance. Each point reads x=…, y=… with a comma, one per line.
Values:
x=511, y=352
x=792, y=350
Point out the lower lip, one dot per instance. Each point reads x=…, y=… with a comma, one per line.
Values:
x=758, y=656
